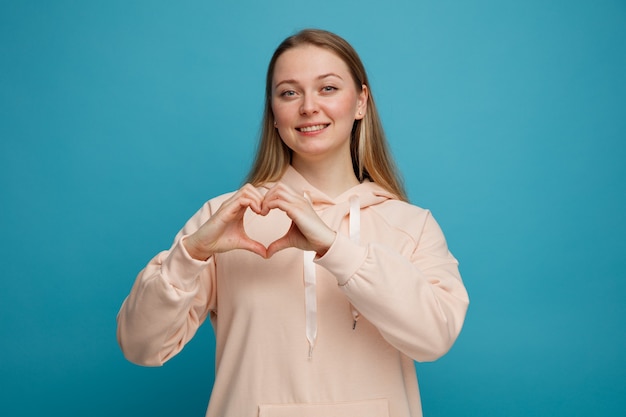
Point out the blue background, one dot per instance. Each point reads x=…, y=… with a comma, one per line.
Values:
x=118, y=119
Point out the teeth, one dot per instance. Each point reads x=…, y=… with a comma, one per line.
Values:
x=312, y=128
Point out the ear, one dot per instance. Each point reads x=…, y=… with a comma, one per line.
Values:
x=361, y=107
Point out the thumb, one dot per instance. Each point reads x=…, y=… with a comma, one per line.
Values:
x=278, y=245
x=254, y=247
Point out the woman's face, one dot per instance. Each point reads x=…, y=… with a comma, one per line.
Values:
x=315, y=103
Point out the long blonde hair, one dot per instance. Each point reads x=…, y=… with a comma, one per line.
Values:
x=371, y=157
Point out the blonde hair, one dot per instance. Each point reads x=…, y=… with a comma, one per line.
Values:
x=371, y=158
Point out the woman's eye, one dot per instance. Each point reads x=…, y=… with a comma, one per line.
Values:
x=328, y=89
x=288, y=93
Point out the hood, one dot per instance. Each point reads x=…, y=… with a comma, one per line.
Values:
x=332, y=211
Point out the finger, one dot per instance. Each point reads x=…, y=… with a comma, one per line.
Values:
x=253, y=195
x=234, y=208
x=293, y=205
x=280, y=204
x=230, y=212
x=247, y=196
x=278, y=192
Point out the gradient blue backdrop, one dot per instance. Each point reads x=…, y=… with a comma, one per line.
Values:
x=118, y=119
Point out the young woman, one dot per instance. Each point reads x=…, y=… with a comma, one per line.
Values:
x=323, y=284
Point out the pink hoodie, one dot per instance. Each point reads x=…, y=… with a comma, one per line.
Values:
x=303, y=337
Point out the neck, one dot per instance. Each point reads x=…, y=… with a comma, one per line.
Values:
x=327, y=176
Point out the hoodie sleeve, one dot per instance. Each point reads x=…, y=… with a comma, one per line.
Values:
x=417, y=302
x=169, y=300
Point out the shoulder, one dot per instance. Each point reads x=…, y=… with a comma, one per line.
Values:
x=406, y=222
x=401, y=211
x=403, y=216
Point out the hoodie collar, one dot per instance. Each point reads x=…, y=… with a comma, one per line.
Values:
x=368, y=192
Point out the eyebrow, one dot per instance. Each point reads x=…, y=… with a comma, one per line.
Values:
x=321, y=77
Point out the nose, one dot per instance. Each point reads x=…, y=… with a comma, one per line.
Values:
x=308, y=105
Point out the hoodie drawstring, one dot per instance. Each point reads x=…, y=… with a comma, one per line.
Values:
x=310, y=300
x=355, y=236
x=310, y=278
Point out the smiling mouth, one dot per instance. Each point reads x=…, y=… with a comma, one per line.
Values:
x=315, y=128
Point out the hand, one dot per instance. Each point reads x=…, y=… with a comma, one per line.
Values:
x=307, y=232
x=224, y=231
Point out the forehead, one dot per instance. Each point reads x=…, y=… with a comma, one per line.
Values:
x=307, y=62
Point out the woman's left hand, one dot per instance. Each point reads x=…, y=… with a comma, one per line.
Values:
x=307, y=232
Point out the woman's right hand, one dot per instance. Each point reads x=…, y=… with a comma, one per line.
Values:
x=224, y=231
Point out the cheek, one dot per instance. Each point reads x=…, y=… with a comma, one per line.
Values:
x=344, y=108
x=282, y=113
x=283, y=120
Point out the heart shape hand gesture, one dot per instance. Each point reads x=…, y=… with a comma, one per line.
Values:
x=225, y=231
